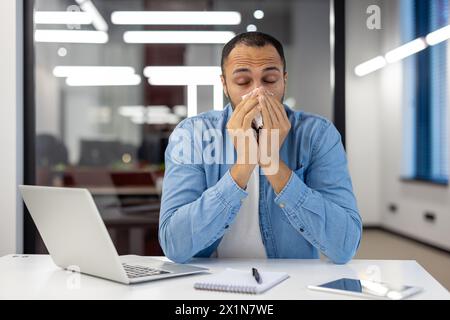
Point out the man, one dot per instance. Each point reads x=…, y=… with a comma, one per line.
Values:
x=293, y=200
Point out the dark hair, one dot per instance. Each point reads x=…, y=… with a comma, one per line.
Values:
x=253, y=39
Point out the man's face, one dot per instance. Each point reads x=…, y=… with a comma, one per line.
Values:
x=248, y=68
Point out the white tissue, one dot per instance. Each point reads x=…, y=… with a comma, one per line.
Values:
x=258, y=121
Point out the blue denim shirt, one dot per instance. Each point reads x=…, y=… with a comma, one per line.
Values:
x=316, y=210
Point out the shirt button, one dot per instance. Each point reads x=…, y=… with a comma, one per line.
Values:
x=227, y=226
x=282, y=205
x=302, y=230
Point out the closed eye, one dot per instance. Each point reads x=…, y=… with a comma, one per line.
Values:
x=271, y=79
x=242, y=82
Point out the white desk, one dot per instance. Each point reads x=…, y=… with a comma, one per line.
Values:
x=36, y=277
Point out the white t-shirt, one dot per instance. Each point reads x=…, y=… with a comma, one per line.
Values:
x=243, y=238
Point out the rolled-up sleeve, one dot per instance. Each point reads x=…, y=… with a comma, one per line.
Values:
x=319, y=201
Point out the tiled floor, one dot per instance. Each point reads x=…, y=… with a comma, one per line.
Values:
x=378, y=244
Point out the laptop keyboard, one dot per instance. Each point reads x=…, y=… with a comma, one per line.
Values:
x=134, y=271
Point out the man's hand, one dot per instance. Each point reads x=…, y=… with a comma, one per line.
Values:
x=271, y=138
x=244, y=139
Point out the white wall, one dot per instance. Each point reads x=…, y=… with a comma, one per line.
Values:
x=363, y=112
x=11, y=101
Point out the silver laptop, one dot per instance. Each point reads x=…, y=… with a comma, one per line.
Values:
x=77, y=239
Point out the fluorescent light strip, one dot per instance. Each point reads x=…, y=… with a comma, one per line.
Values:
x=183, y=75
x=158, y=114
x=192, y=100
x=370, y=66
x=70, y=36
x=218, y=37
x=163, y=119
x=218, y=96
x=97, y=19
x=190, y=77
x=130, y=80
x=406, y=50
x=155, y=110
x=131, y=111
x=176, y=17
x=97, y=75
x=180, y=110
x=78, y=71
x=62, y=17
x=438, y=36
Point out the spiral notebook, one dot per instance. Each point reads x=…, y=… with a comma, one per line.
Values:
x=239, y=281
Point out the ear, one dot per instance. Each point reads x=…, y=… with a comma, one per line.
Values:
x=224, y=84
x=285, y=83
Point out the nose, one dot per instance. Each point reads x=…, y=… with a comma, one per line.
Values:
x=258, y=85
x=261, y=87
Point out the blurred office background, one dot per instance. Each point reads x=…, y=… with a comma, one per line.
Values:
x=106, y=82
x=109, y=133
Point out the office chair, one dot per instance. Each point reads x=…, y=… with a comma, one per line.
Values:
x=50, y=151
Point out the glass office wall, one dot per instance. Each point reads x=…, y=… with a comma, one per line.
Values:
x=113, y=79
